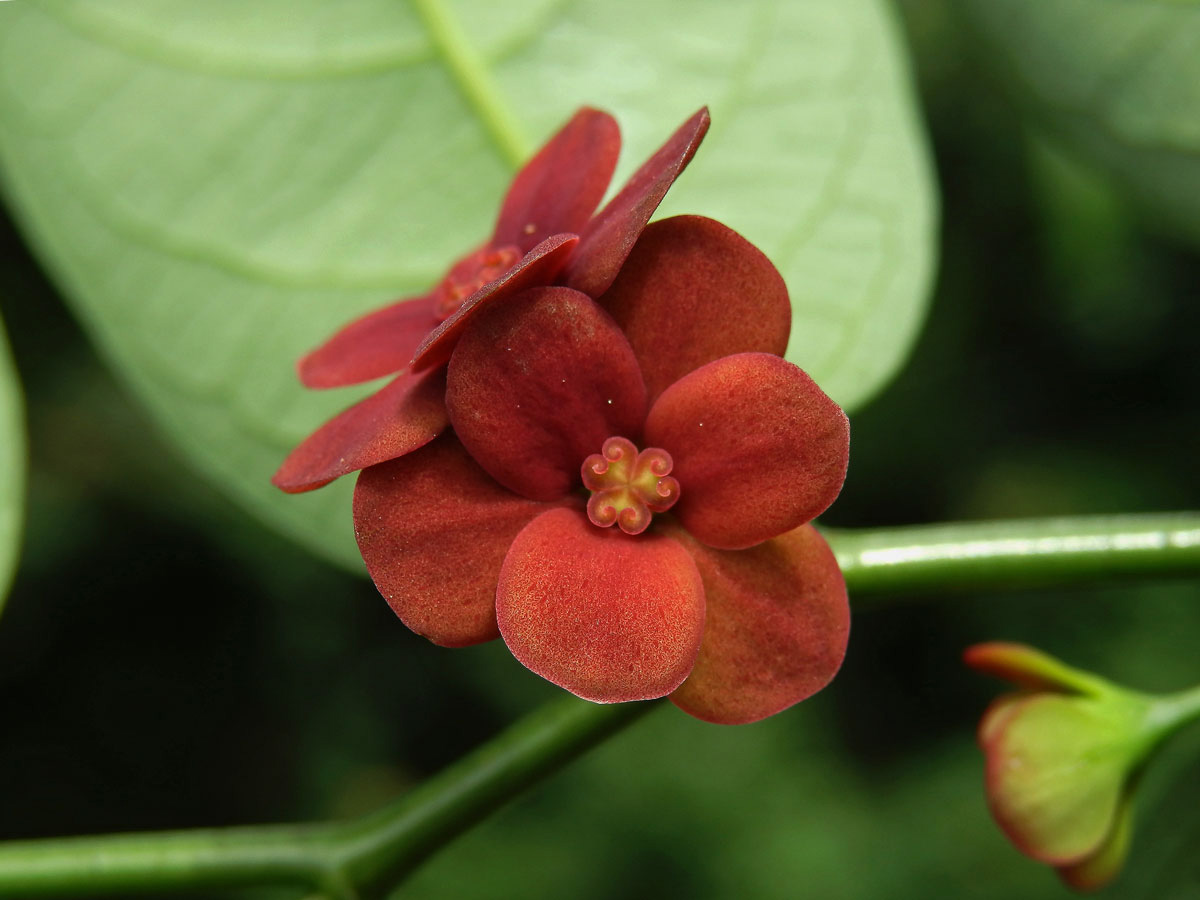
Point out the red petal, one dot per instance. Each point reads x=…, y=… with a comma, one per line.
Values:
x=607, y=616
x=559, y=188
x=433, y=529
x=378, y=344
x=775, y=630
x=610, y=235
x=693, y=291
x=537, y=384
x=406, y=414
x=759, y=449
x=537, y=267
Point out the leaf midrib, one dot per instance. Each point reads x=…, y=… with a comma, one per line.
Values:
x=475, y=80
x=447, y=42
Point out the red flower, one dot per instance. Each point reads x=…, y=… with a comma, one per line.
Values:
x=729, y=601
x=545, y=234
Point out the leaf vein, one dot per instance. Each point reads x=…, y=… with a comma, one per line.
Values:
x=474, y=80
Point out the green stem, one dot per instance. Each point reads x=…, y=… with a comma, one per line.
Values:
x=1171, y=712
x=381, y=848
x=171, y=860
x=364, y=857
x=1017, y=554
x=346, y=861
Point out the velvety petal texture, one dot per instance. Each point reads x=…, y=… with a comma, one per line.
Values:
x=693, y=291
x=539, y=266
x=775, y=630
x=559, y=188
x=378, y=344
x=607, y=616
x=520, y=394
x=611, y=233
x=433, y=529
x=406, y=414
x=537, y=384
x=759, y=449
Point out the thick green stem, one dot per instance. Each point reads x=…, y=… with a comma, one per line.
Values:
x=364, y=857
x=1017, y=554
x=1172, y=712
x=155, y=862
x=378, y=849
x=361, y=858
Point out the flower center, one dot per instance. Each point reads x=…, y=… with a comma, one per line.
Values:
x=628, y=487
x=471, y=273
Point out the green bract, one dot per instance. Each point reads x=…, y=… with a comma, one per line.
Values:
x=1056, y=770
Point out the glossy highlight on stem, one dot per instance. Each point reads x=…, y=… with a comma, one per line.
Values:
x=1017, y=554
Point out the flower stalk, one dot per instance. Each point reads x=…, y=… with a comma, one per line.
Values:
x=1171, y=712
x=1017, y=554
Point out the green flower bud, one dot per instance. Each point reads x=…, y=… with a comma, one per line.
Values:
x=1062, y=756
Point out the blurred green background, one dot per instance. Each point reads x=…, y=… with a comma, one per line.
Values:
x=165, y=662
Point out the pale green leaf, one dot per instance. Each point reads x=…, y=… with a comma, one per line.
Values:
x=218, y=186
x=1118, y=80
x=12, y=468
